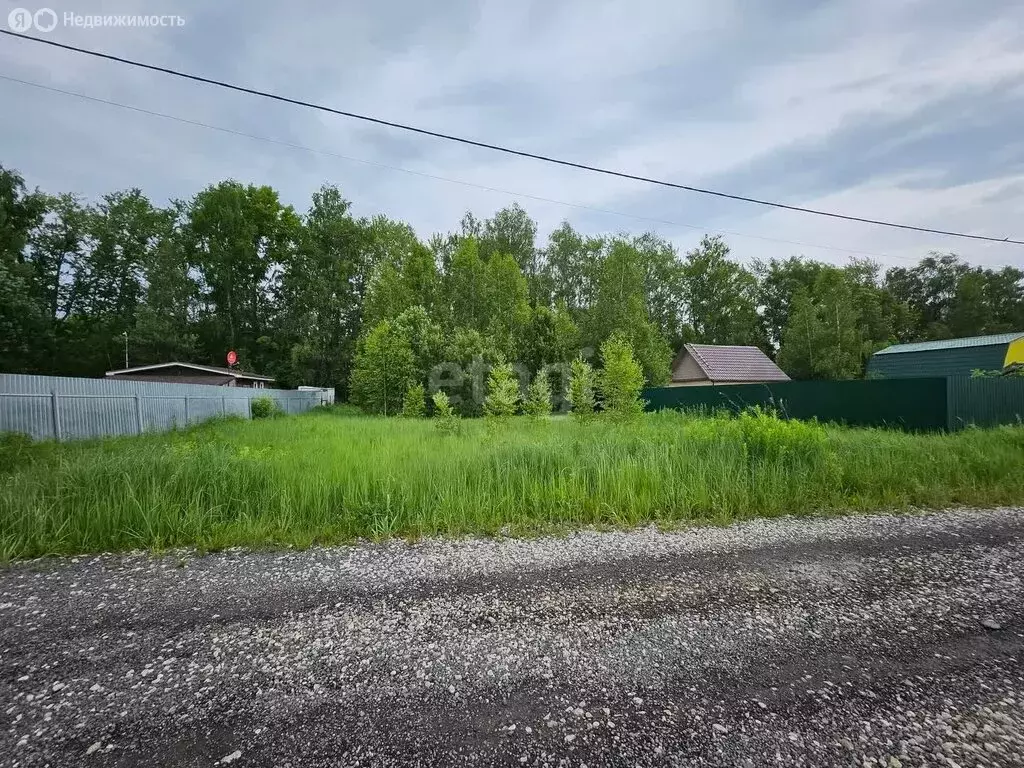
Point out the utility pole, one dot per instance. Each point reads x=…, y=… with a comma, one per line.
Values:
x=125, y=334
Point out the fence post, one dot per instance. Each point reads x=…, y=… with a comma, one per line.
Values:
x=224, y=405
x=55, y=407
x=138, y=412
x=186, y=410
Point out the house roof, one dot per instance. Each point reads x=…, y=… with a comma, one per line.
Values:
x=233, y=372
x=728, y=363
x=970, y=341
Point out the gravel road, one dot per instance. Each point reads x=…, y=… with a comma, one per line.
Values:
x=856, y=641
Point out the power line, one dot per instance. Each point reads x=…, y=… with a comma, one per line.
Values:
x=503, y=149
x=435, y=177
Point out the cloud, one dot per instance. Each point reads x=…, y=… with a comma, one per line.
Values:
x=880, y=108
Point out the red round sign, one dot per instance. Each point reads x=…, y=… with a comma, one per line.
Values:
x=232, y=357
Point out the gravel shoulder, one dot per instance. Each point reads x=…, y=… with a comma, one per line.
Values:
x=857, y=641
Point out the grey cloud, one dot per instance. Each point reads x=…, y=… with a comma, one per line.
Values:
x=718, y=93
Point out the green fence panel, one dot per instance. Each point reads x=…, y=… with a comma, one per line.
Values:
x=985, y=402
x=913, y=404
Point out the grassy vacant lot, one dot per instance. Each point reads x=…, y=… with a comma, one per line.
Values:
x=326, y=477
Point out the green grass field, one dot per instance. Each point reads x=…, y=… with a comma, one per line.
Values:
x=325, y=477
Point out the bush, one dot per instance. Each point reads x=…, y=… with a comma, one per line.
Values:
x=446, y=419
x=768, y=438
x=622, y=378
x=538, y=396
x=263, y=408
x=581, y=388
x=414, y=405
x=502, y=392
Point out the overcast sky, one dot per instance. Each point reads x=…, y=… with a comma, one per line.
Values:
x=909, y=110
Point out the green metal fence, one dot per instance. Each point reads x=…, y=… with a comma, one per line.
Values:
x=985, y=402
x=915, y=404
x=933, y=403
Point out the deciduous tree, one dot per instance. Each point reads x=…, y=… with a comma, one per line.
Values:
x=384, y=369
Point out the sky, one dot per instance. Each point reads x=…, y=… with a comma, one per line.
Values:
x=904, y=110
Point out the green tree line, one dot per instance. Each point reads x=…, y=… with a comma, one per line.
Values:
x=365, y=305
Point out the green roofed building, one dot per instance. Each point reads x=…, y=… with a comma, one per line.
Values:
x=950, y=357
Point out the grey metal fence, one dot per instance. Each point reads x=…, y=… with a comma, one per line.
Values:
x=62, y=408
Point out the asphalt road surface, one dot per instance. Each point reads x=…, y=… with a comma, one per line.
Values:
x=859, y=641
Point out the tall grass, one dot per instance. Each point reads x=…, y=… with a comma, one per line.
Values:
x=322, y=477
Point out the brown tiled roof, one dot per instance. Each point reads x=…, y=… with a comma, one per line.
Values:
x=725, y=363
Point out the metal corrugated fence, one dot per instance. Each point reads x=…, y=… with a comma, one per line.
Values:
x=915, y=404
x=926, y=403
x=48, y=407
x=985, y=402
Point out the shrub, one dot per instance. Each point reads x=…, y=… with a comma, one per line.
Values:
x=581, y=388
x=414, y=405
x=446, y=419
x=768, y=438
x=502, y=392
x=622, y=378
x=263, y=408
x=538, y=396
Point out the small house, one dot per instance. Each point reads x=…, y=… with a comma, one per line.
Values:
x=699, y=365
x=190, y=373
x=949, y=357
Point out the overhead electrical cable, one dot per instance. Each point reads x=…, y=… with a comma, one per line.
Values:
x=423, y=174
x=503, y=149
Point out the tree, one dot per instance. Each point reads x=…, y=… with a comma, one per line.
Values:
x=297, y=298
x=506, y=304
x=388, y=295
x=622, y=378
x=238, y=237
x=665, y=288
x=25, y=322
x=128, y=239
x=570, y=261
x=549, y=337
x=384, y=368
x=721, y=297
x=466, y=287
x=446, y=419
x=405, y=272
x=425, y=337
x=620, y=305
x=164, y=321
x=930, y=290
x=511, y=232
x=822, y=338
x=778, y=281
x=581, y=389
x=466, y=360
x=538, y=396
x=502, y=392
x=565, y=339
x=56, y=250
x=414, y=404
x=1004, y=295
x=322, y=292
